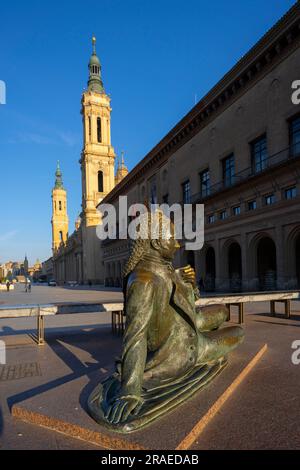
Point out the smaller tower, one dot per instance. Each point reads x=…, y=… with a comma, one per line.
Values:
x=26, y=265
x=60, y=221
x=122, y=170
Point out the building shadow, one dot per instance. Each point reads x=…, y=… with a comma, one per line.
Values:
x=279, y=316
x=278, y=323
x=8, y=331
x=84, y=287
x=103, y=347
x=59, y=330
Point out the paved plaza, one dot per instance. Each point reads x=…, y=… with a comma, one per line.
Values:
x=43, y=294
x=264, y=411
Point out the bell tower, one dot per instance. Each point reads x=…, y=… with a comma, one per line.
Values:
x=60, y=221
x=97, y=156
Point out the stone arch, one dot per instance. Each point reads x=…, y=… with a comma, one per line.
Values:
x=292, y=259
x=266, y=263
x=210, y=269
x=224, y=269
x=252, y=261
x=297, y=251
x=234, y=262
x=190, y=258
x=107, y=274
x=118, y=279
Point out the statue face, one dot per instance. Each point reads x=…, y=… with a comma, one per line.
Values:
x=167, y=248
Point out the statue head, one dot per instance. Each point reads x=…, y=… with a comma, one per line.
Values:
x=166, y=247
x=156, y=235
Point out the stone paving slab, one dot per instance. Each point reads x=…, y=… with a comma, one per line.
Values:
x=63, y=408
x=43, y=294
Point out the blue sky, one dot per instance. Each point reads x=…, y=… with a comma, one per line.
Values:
x=156, y=56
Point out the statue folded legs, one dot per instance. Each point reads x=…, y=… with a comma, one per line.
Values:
x=171, y=349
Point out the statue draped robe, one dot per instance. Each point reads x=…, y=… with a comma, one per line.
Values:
x=169, y=351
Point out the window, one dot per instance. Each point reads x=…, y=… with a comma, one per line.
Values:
x=228, y=170
x=270, y=199
x=100, y=182
x=223, y=215
x=259, y=155
x=153, y=190
x=290, y=193
x=186, y=191
x=211, y=219
x=59, y=205
x=295, y=136
x=165, y=199
x=252, y=205
x=204, y=183
x=99, y=134
x=61, y=236
x=90, y=129
x=236, y=210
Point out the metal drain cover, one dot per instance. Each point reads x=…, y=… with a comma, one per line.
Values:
x=20, y=371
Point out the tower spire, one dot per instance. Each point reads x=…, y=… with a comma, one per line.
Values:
x=95, y=81
x=58, y=177
x=121, y=170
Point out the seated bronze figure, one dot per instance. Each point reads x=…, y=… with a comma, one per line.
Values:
x=171, y=349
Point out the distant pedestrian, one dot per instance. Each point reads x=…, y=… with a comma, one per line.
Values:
x=29, y=286
x=7, y=286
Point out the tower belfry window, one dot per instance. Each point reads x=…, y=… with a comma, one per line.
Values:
x=90, y=129
x=100, y=181
x=59, y=205
x=99, y=133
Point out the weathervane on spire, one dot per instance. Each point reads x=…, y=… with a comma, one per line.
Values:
x=94, y=44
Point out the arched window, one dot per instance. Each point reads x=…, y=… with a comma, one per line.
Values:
x=100, y=181
x=61, y=236
x=90, y=129
x=59, y=205
x=99, y=136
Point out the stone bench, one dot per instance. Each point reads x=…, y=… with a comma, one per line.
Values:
x=230, y=300
x=43, y=310
x=238, y=300
x=117, y=308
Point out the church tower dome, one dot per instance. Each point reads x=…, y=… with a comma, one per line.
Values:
x=95, y=81
x=122, y=170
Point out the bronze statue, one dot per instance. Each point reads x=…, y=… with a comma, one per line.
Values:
x=170, y=348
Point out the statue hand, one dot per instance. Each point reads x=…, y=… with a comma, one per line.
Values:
x=122, y=407
x=188, y=274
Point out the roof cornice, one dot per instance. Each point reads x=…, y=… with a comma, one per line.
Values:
x=276, y=44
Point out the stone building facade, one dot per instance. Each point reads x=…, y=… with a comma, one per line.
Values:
x=238, y=153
